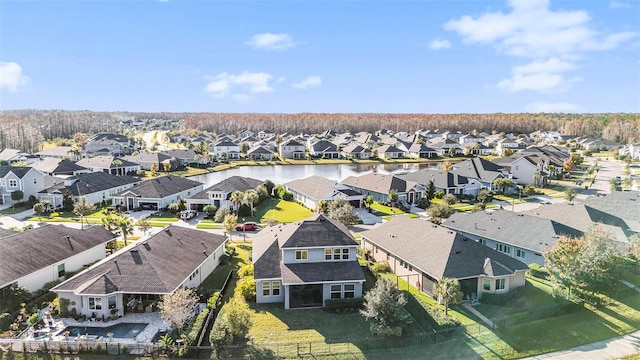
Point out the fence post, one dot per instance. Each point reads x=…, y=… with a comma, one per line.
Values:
x=298, y=349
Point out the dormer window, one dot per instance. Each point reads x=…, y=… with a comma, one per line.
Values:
x=302, y=254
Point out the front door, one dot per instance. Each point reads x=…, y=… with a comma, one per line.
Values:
x=305, y=296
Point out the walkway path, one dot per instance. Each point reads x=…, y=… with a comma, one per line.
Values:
x=602, y=350
x=477, y=313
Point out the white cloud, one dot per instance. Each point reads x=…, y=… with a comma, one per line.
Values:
x=619, y=5
x=11, y=77
x=311, y=81
x=553, y=40
x=540, y=106
x=269, y=41
x=281, y=79
x=228, y=85
x=438, y=44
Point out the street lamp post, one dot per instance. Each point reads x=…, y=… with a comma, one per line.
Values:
x=244, y=231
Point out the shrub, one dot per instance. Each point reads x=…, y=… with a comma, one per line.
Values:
x=379, y=267
x=213, y=301
x=247, y=287
x=337, y=305
x=196, y=326
x=383, y=331
x=33, y=318
x=220, y=336
x=538, y=271
x=287, y=196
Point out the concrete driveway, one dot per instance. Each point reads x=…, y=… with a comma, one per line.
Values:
x=366, y=217
x=609, y=169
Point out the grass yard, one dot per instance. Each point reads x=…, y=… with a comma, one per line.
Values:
x=14, y=210
x=382, y=210
x=190, y=171
x=279, y=210
x=219, y=275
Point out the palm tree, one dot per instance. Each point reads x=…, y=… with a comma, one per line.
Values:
x=536, y=178
x=40, y=207
x=82, y=208
x=447, y=290
x=251, y=196
x=236, y=199
x=143, y=224
x=125, y=226
x=368, y=201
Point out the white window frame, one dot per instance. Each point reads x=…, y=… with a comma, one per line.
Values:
x=503, y=248
x=302, y=255
x=61, y=270
x=112, y=302
x=486, y=284
x=333, y=291
x=271, y=288
x=12, y=183
x=521, y=253
x=97, y=303
x=501, y=284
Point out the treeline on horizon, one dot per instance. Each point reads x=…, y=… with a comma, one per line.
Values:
x=27, y=129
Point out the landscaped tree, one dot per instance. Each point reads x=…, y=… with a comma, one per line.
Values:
x=174, y=208
x=154, y=167
x=483, y=196
x=438, y=212
x=591, y=263
x=536, y=178
x=209, y=211
x=239, y=317
x=125, y=227
x=176, y=307
x=236, y=198
x=446, y=166
x=143, y=224
x=251, y=197
x=341, y=210
x=229, y=224
x=83, y=208
x=449, y=199
x=503, y=184
x=221, y=213
x=40, y=207
x=262, y=193
x=368, y=201
x=570, y=193
x=269, y=185
x=393, y=197
x=384, y=306
x=67, y=200
x=17, y=195
x=447, y=291
x=166, y=166
x=431, y=191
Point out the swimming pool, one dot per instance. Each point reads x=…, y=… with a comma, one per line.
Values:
x=122, y=330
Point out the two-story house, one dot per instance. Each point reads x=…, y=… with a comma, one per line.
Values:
x=292, y=149
x=305, y=263
x=25, y=179
x=226, y=150
x=219, y=195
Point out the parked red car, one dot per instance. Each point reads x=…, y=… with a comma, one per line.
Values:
x=247, y=226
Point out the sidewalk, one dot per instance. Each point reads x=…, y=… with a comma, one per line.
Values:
x=601, y=350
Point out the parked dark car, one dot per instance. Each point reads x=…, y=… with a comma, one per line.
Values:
x=247, y=226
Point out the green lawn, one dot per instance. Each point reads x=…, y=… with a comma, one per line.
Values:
x=14, y=210
x=219, y=275
x=279, y=210
x=382, y=210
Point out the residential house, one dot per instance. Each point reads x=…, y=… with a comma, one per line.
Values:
x=445, y=147
x=313, y=189
x=61, y=152
x=58, y=167
x=14, y=155
x=622, y=204
x=423, y=253
x=445, y=181
x=266, y=134
x=484, y=171
x=219, y=195
x=356, y=151
x=147, y=160
x=292, y=149
x=35, y=257
x=420, y=150
x=470, y=139
x=105, y=144
x=23, y=178
x=245, y=134
x=583, y=217
x=225, y=149
x=260, y=153
x=507, y=145
x=184, y=156
x=324, y=149
x=110, y=164
x=305, y=263
x=511, y=233
x=137, y=276
x=634, y=151
x=156, y=193
x=94, y=187
x=389, y=152
x=379, y=186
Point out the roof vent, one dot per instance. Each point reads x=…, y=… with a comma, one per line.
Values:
x=457, y=251
x=205, y=252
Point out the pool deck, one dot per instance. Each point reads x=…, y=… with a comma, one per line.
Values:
x=153, y=319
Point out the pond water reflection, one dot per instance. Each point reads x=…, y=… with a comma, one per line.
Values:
x=280, y=174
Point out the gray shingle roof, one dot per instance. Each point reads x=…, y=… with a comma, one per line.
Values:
x=19, y=171
x=439, y=251
x=148, y=157
x=104, y=162
x=379, y=183
x=25, y=252
x=478, y=168
x=56, y=166
x=316, y=187
x=58, y=151
x=229, y=185
x=524, y=231
x=321, y=272
x=89, y=183
x=441, y=179
x=623, y=204
x=162, y=187
x=157, y=265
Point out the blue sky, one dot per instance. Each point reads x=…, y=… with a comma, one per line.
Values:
x=321, y=56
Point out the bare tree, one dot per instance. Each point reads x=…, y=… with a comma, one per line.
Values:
x=178, y=307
